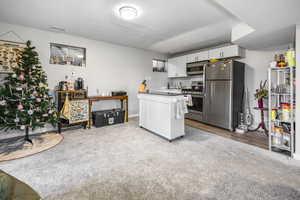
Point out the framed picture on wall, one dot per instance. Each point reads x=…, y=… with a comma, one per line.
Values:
x=10, y=54
x=159, y=65
x=61, y=54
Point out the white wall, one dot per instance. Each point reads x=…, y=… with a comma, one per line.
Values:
x=256, y=70
x=109, y=67
x=297, y=153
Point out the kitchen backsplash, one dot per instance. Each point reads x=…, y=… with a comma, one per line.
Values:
x=185, y=81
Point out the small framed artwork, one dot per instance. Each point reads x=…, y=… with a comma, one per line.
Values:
x=159, y=65
x=61, y=54
x=10, y=55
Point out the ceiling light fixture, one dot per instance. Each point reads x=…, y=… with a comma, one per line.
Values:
x=128, y=12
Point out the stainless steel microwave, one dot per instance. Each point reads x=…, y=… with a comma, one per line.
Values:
x=195, y=68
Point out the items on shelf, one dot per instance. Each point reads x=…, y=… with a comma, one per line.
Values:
x=285, y=60
x=282, y=102
x=69, y=84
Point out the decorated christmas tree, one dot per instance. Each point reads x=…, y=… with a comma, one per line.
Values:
x=25, y=100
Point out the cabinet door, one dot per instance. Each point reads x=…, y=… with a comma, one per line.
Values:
x=218, y=103
x=172, y=67
x=177, y=67
x=143, y=113
x=215, y=53
x=231, y=51
x=181, y=67
x=191, y=58
x=201, y=56
x=196, y=57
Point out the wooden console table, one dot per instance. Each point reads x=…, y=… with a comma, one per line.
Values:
x=123, y=99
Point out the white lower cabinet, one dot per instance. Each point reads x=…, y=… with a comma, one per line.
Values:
x=157, y=114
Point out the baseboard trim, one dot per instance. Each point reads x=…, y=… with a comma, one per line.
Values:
x=133, y=115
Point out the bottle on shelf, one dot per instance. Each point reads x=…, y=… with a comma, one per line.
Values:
x=291, y=57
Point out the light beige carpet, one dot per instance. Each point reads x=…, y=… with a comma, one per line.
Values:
x=15, y=148
x=126, y=162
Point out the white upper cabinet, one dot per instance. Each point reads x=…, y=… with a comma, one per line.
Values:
x=196, y=57
x=225, y=52
x=177, y=67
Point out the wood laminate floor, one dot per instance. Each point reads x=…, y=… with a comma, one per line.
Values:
x=252, y=138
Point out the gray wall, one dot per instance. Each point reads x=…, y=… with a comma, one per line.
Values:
x=109, y=66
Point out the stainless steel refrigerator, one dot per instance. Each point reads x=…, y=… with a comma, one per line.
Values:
x=224, y=89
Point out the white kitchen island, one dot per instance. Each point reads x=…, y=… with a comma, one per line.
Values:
x=162, y=114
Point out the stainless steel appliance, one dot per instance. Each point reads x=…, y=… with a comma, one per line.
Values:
x=196, y=68
x=224, y=90
x=197, y=93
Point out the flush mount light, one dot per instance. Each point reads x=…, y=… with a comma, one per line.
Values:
x=128, y=12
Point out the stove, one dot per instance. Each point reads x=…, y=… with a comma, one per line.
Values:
x=197, y=93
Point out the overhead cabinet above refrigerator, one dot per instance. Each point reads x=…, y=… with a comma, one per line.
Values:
x=226, y=52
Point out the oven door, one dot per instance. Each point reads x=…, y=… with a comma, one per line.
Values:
x=196, y=111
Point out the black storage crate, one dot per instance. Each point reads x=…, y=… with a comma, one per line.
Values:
x=108, y=117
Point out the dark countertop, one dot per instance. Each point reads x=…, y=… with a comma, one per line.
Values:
x=162, y=93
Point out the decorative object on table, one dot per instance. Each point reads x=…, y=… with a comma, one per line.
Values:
x=14, y=148
x=143, y=87
x=10, y=55
x=62, y=85
x=159, y=65
x=79, y=84
x=67, y=55
x=118, y=93
x=25, y=97
x=260, y=95
x=70, y=85
x=282, y=115
x=70, y=104
x=13, y=189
